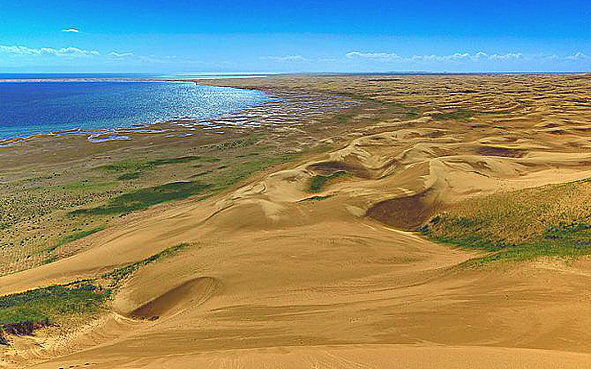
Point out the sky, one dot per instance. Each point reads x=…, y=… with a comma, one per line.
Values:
x=282, y=36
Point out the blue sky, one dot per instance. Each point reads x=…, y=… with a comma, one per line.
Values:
x=294, y=36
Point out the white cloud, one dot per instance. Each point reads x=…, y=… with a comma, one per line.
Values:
x=508, y=56
x=380, y=56
x=285, y=58
x=47, y=51
x=456, y=57
x=70, y=30
x=120, y=55
x=577, y=56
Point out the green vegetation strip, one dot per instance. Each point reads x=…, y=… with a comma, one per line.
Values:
x=463, y=114
x=130, y=165
x=318, y=182
x=146, y=197
x=143, y=198
x=552, y=220
x=457, y=115
x=118, y=275
x=22, y=313
x=317, y=198
x=73, y=237
x=134, y=169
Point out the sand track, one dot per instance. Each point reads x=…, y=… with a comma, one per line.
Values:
x=280, y=282
x=364, y=357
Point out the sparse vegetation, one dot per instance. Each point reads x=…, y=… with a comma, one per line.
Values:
x=247, y=141
x=129, y=176
x=146, y=197
x=133, y=166
x=73, y=237
x=118, y=275
x=318, y=182
x=460, y=115
x=317, y=198
x=465, y=114
x=50, y=259
x=22, y=313
x=552, y=220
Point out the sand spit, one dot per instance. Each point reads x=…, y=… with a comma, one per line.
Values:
x=284, y=277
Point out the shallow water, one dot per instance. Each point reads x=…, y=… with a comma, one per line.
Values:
x=29, y=108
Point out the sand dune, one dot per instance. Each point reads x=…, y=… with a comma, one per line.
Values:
x=277, y=279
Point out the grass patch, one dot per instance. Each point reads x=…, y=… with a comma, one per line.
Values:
x=317, y=198
x=73, y=237
x=50, y=259
x=129, y=176
x=137, y=166
x=318, y=182
x=552, y=220
x=248, y=154
x=85, y=185
x=182, y=159
x=123, y=166
x=248, y=141
x=461, y=115
x=202, y=173
x=146, y=197
x=143, y=198
x=464, y=114
x=242, y=171
x=23, y=312
x=493, y=111
x=118, y=275
x=411, y=113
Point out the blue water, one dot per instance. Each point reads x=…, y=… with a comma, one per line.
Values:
x=41, y=76
x=28, y=108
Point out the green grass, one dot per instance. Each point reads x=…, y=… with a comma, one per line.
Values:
x=123, y=166
x=242, y=171
x=118, y=275
x=50, y=259
x=86, y=185
x=21, y=312
x=552, y=220
x=73, y=237
x=460, y=115
x=493, y=111
x=143, y=198
x=411, y=113
x=248, y=154
x=129, y=176
x=319, y=182
x=17, y=315
x=146, y=197
x=247, y=141
x=317, y=198
x=464, y=114
x=135, y=166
